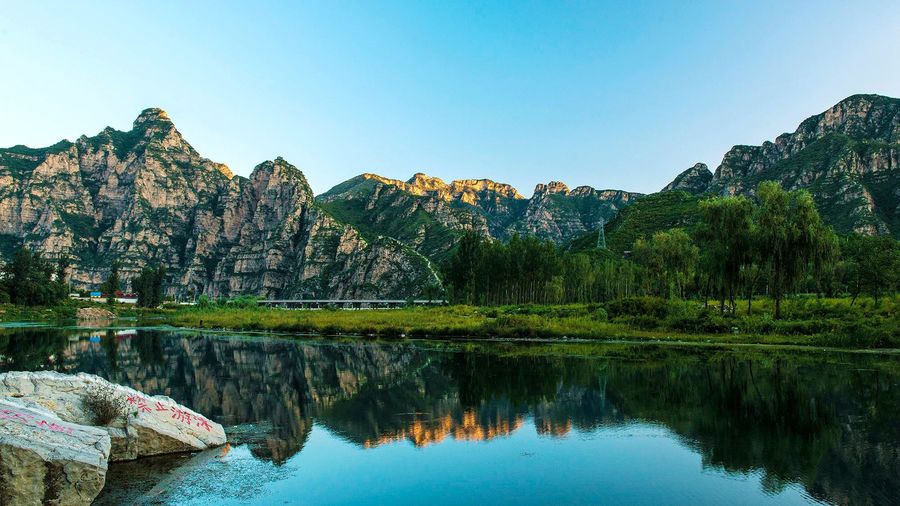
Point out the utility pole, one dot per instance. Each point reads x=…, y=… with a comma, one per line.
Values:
x=601, y=235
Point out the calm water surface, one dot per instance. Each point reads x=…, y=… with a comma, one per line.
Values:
x=318, y=422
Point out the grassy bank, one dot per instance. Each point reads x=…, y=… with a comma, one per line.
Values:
x=65, y=312
x=17, y=313
x=813, y=322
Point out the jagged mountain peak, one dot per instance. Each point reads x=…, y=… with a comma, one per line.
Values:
x=282, y=170
x=426, y=182
x=422, y=184
x=694, y=180
x=152, y=115
x=871, y=116
x=482, y=185
x=553, y=187
x=845, y=156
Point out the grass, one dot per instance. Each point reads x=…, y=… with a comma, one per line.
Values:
x=808, y=322
x=16, y=313
x=66, y=311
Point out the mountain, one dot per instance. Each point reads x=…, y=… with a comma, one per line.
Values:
x=146, y=197
x=848, y=157
x=429, y=215
x=424, y=212
x=694, y=180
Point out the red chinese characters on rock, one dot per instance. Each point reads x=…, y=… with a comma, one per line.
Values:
x=178, y=414
x=8, y=414
x=55, y=427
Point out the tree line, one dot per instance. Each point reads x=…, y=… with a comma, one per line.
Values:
x=775, y=244
x=31, y=280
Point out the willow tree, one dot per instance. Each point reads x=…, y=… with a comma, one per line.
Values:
x=669, y=259
x=725, y=229
x=790, y=237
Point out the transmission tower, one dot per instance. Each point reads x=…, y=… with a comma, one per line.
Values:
x=601, y=234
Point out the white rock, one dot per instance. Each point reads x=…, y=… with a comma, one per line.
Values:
x=45, y=460
x=154, y=425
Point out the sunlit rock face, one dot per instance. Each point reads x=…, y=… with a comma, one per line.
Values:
x=146, y=197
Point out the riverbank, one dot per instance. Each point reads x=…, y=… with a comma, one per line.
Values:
x=806, y=322
x=67, y=310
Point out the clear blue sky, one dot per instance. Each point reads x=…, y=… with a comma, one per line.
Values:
x=612, y=95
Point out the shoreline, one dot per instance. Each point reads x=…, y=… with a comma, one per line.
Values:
x=461, y=340
x=827, y=324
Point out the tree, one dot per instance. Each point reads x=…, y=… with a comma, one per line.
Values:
x=461, y=268
x=873, y=264
x=826, y=264
x=790, y=236
x=148, y=286
x=62, y=267
x=112, y=284
x=669, y=260
x=725, y=230
x=29, y=280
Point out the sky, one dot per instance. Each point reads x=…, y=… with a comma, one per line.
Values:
x=618, y=95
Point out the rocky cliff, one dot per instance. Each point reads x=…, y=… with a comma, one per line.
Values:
x=848, y=157
x=429, y=214
x=694, y=180
x=146, y=197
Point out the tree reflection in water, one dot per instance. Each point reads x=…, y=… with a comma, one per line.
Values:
x=828, y=421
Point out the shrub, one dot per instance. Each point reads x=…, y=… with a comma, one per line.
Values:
x=245, y=302
x=204, y=302
x=104, y=404
x=655, y=307
x=708, y=322
x=598, y=314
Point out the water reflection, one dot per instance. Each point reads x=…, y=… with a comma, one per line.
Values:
x=828, y=422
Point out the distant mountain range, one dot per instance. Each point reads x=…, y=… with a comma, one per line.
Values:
x=147, y=197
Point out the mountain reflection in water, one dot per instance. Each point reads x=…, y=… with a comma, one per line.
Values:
x=828, y=422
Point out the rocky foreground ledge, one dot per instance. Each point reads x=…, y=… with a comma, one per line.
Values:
x=58, y=433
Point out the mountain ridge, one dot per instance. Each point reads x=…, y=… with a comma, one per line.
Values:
x=147, y=196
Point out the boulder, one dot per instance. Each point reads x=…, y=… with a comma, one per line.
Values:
x=150, y=425
x=45, y=460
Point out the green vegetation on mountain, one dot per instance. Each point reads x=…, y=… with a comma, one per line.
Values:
x=146, y=197
x=845, y=157
x=650, y=214
x=411, y=225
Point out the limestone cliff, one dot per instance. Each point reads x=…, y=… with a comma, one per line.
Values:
x=554, y=212
x=147, y=197
x=848, y=157
x=429, y=214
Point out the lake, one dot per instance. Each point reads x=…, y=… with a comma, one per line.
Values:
x=352, y=421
